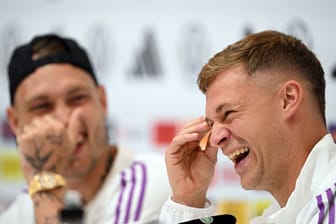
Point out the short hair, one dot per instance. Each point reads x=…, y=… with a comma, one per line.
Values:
x=265, y=51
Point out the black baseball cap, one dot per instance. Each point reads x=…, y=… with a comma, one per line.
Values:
x=21, y=63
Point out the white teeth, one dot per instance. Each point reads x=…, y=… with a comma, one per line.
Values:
x=81, y=139
x=237, y=153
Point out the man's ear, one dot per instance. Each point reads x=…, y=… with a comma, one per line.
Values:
x=12, y=118
x=102, y=97
x=291, y=93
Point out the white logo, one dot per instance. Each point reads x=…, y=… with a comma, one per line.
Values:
x=207, y=220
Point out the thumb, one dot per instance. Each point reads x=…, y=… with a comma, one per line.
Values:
x=76, y=127
x=212, y=153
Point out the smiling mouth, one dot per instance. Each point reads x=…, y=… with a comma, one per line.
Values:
x=80, y=143
x=239, y=155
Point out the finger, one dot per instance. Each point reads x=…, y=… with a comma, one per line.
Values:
x=41, y=126
x=54, y=130
x=200, y=127
x=26, y=135
x=180, y=140
x=193, y=122
x=53, y=122
x=37, y=122
x=212, y=153
x=76, y=127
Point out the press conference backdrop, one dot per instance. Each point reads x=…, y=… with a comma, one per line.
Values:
x=148, y=54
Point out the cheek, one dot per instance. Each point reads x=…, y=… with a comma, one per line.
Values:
x=96, y=126
x=24, y=120
x=93, y=116
x=99, y=131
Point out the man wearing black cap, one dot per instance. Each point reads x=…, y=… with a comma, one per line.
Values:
x=58, y=114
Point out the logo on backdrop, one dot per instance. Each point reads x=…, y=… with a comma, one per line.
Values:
x=333, y=72
x=147, y=61
x=100, y=49
x=248, y=30
x=193, y=50
x=300, y=29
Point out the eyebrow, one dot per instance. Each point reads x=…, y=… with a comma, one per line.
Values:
x=36, y=98
x=220, y=107
x=77, y=89
x=218, y=110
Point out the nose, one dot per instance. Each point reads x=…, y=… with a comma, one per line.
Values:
x=219, y=135
x=62, y=113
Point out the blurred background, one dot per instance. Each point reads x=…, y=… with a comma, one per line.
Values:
x=148, y=54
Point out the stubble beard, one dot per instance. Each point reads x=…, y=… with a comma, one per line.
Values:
x=100, y=143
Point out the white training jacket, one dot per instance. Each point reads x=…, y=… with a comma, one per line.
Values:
x=134, y=192
x=311, y=202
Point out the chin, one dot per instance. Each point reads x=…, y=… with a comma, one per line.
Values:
x=75, y=175
x=248, y=184
x=77, y=171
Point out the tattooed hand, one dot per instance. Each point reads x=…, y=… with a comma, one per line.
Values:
x=47, y=143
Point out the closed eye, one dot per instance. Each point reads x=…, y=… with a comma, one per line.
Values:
x=40, y=108
x=78, y=99
x=227, y=115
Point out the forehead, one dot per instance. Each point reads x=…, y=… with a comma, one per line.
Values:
x=52, y=78
x=232, y=86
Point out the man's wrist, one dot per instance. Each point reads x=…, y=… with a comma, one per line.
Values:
x=45, y=181
x=197, y=202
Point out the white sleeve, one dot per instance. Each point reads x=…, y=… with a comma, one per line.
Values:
x=172, y=212
x=20, y=211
